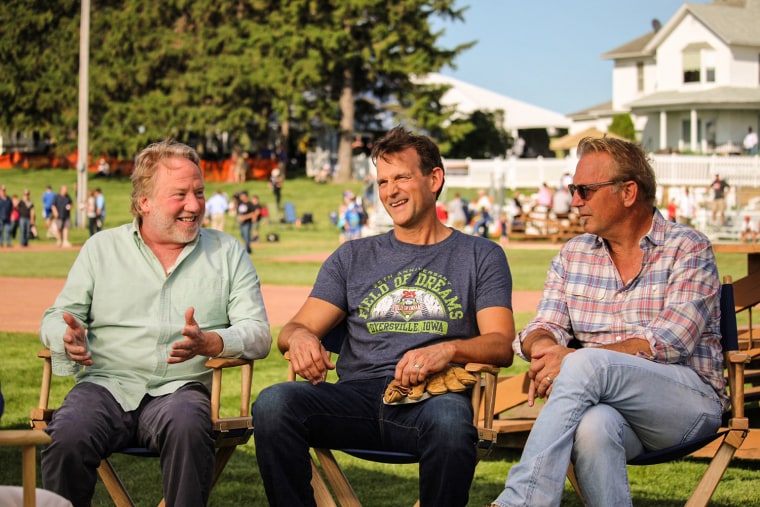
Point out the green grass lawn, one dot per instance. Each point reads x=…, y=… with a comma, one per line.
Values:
x=376, y=484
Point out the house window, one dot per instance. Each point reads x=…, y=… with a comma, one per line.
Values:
x=708, y=58
x=691, y=66
x=640, y=76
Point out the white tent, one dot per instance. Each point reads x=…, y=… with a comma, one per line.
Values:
x=517, y=115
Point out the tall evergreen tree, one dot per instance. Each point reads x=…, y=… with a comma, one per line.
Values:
x=224, y=69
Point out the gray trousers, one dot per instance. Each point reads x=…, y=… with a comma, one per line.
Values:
x=90, y=425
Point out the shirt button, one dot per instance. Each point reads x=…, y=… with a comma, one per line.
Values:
x=618, y=338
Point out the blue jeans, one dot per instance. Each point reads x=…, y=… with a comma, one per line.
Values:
x=291, y=417
x=90, y=425
x=5, y=233
x=25, y=230
x=245, y=235
x=605, y=408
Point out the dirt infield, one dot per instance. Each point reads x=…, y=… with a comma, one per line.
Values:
x=24, y=300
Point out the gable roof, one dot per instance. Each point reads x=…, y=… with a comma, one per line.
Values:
x=517, y=115
x=735, y=23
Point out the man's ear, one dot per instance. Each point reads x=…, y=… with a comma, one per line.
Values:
x=436, y=179
x=630, y=192
x=144, y=205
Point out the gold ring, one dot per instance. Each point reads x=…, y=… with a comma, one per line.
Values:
x=418, y=366
x=549, y=379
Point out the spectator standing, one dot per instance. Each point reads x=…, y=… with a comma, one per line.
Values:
x=47, y=211
x=545, y=196
x=239, y=163
x=14, y=216
x=246, y=214
x=561, y=202
x=456, y=209
x=275, y=185
x=719, y=188
x=672, y=210
x=6, y=208
x=100, y=209
x=26, y=217
x=686, y=208
x=750, y=142
x=91, y=212
x=180, y=295
x=258, y=214
x=216, y=209
x=62, y=205
x=352, y=223
x=749, y=230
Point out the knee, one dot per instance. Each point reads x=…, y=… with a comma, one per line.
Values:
x=450, y=426
x=599, y=425
x=584, y=363
x=68, y=437
x=272, y=407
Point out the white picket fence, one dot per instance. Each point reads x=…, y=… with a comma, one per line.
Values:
x=671, y=170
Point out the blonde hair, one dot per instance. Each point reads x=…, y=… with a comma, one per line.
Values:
x=146, y=167
x=631, y=163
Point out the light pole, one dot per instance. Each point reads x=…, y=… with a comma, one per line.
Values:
x=83, y=127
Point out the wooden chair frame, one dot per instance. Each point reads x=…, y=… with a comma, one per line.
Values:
x=482, y=397
x=730, y=438
x=229, y=432
x=28, y=440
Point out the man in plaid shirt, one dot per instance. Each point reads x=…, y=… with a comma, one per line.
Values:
x=625, y=345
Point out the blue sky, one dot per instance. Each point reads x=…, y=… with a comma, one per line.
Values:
x=548, y=52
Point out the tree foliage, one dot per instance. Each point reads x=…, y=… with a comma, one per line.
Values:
x=484, y=138
x=235, y=71
x=622, y=125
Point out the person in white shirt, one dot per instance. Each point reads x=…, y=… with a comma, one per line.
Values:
x=686, y=208
x=216, y=208
x=750, y=142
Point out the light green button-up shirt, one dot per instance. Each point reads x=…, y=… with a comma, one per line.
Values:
x=134, y=311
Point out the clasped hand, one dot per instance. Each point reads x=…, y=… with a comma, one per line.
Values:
x=545, y=365
x=308, y=357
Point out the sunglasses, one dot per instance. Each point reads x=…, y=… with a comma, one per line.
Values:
x=583, y=190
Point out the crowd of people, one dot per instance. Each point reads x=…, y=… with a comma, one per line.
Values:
x=18, y=215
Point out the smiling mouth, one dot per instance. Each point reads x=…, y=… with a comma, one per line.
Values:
x=187, y=219
x=398, y=203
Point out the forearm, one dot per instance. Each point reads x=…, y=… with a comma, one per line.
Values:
x=491, y=348
x=539, y=338
x=632, y=346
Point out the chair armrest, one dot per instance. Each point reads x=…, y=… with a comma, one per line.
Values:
x=218, y=364
x=482, y=368
x=40, y=416
x=735, y=362
x=483, y=393
x=23, y=437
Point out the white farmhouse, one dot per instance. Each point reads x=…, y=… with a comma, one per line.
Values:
x=690, y=85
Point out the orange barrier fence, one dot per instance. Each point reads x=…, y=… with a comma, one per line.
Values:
x=213, y=170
